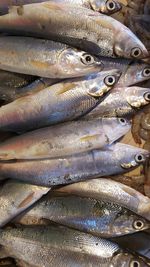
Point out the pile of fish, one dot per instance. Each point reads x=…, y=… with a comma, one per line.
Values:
x=74, y=80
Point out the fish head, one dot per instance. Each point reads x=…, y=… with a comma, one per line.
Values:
x=107, y=7
x=137, y=97
x=128, y=156
x=121, y=126
x=128, y=45
x=77, y=63
x=129, y=222
x=100, y=83
x=126, y=259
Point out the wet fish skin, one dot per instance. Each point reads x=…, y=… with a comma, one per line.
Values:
x=91, y=36
x=110, y=190
x=114, y=159
x=123, y=101
x=65, y=139
x=61, y=102
x=47, y=246
x=98, y=217
x=16, y=197
x=45, y=58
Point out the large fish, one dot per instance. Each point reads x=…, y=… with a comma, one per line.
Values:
x=64, y=101
x=16, y=197
x=109, y=190
x=77, y=26
x=45, y=58
x=58, y=246
x=114, y=159
x=103, y=6
x=97, y=217
x=64, y=139
x=122, y=101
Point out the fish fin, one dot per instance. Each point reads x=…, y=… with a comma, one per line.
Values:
x=26, y=201
x=66, y=88
x=89, y=137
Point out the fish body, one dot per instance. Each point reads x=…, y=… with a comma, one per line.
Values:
x=114, y=159
x=15, y=197
x=79, y=27
x=97, y=217
x=58, y=246
x=65, y=139
x=44, y=58
x=109, y=190
x=61, y=102
x=123, y=101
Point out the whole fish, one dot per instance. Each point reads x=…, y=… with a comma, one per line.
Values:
x=45, y=58
x=64, y=101
x=16, y=197
x=103, y=6
x=77, y=26
x=97, y=217
x=9, y=94
x=109, y=190
x=114, y=159
x=58, y=246
x=122, y=101
x=65, y=139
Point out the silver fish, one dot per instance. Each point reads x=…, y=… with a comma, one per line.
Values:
x=65, y=139
x=79, y=27
x=59, y=246
x=64, y=101
x=45, y=58
x=109, y=190
x=97, y=217
x=16, y=197
x=114, y=159
x=121, y=102
x=103, y=6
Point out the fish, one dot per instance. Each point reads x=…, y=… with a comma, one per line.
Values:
x=114, y=159
x=44, y=58
x=16, y=197
x=79, y=27
x=64, y=101
x=123, y=101
x=9, y=94
x=58, y=246
x=107, y=189
x=65, y=139
x=98, y=217
x=107, y=7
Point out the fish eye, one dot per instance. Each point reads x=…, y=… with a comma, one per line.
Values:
x=146, y=72
x=139, y=158
x=122, y=121
x=147, y=96
x=135, y=263
x=138, y=224
x=110, y=80
x=136, y=52
x=87, y=59
x=110, y=5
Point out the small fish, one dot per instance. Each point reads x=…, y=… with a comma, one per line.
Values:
x=107, y=7
x=51, y=246
x=122, y=101
x=16, y=197
x=66, y=139
x=79, y=27
x=109, y=190
x=98, y=217
x=112, y=160
x=45, y=58
x=61, y=102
